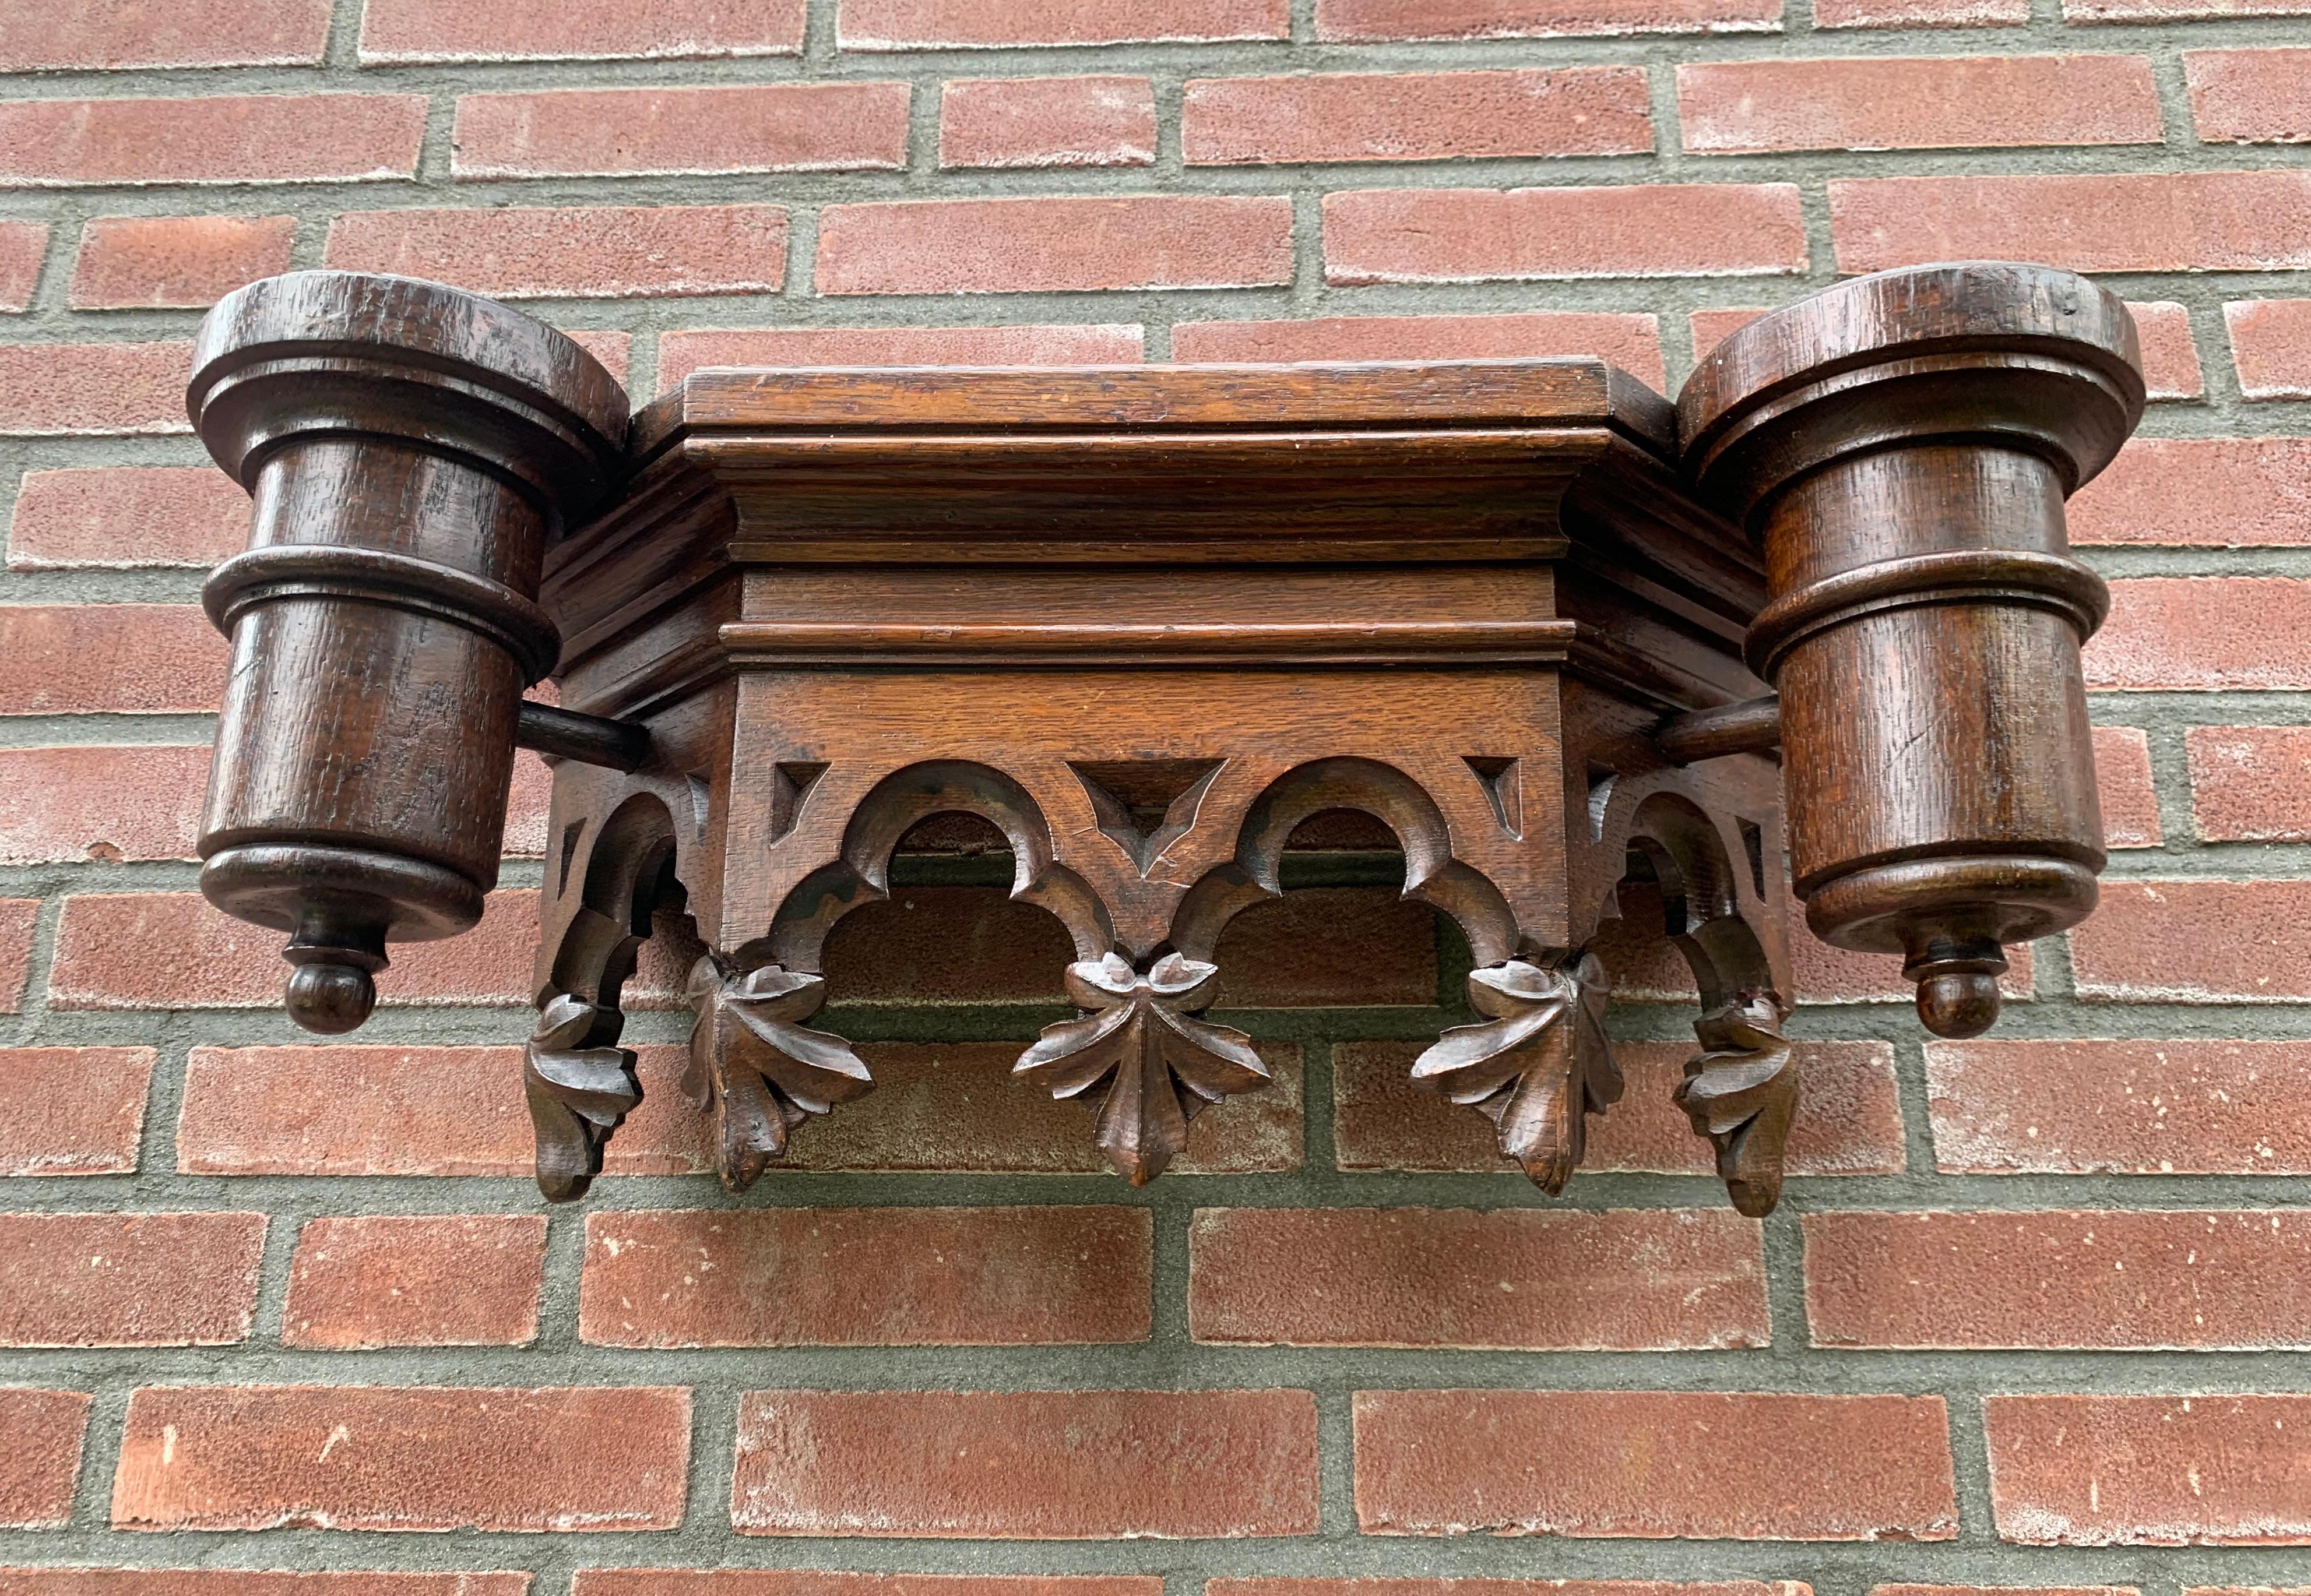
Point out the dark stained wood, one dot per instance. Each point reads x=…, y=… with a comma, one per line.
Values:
x=1752, y=726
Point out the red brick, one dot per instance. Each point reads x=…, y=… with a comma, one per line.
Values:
x=2245, y=1591
x=2271, y=346
x=354, y=1110
x=2250, y=97
x=2004, y=1591
x=2099, y=1281
x=756, y=128
x=141, y=801
x=1056, y=244
x=40, y=1434
x=1026, y=1465
x=587, y=252
x=1530, y=1279
x=2250, y=783
x=2128, y=222
x=400, y=33
x=1499, y=1587
x=1917, y=102
x=72, y=1110
x=23, y=245
x=241, y=1582
x=18, y=917
x=1047, y=121
x=2225, y=492
x=997, y=1277
x=997, y=24
x=1364, y=21
x=588, y=1458
x=78, y=391
x=1651, y=1464
x=2203, y=635
x=1630, y=340
x=128, y=1279
x=114, y=38
x=812, y=1582
x=1417, y=116
x=416, y=1280
x=122, y=517
x=2104, y=1470
x=170, y=950
x=2178, y=10
x=1921, y=14
x=2130, y=796
x=2196, y=942
x=219, y=138
x=163, y=262
x=679, y=354
x=1649, y=229
x=613, y=350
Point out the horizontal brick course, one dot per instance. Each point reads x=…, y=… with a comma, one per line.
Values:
x=812, y=1582
x=416, y=1280
x=1630, y=340
x=41, y=1436
x=2113, y=1470
x=1500, y=1587
x=1047, y=122
x=124, y=516
x=1374, y=21
x=2250, y=97
x=766, y=127
x=579, y=252
x=1060, y=1465
x=1921, y=14
x=2227, y=492
x=2141, y=945
x=580, y=1458
x=1649, y=1464
x=2178, y=10
x=2250, y=783
x=135, y=802
x=1654, y=229
x=223, y=138
x=395, y=32
x=947, y=1276
x=245, y=1582
x=997, y=24
x=1431, y=116
x=2271, y=346
x=93, y=390
x=353, y=1110
x=108, y=658
x=2203, y=635
x=72, y=1110
x=1056, y=244
x=183, y=33
x=679, y=354
x=185, y=262
x=128, y=1279
x=1916, y=103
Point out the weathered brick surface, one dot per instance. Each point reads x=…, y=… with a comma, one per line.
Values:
x=1026, y=245
x=1363, y=20
x=1434, y=116
x=41, y=1436
x=138, y=802
x=2250, y=97
x=78, y=391
x=2222, y=492
x=1098, y=344
x=2112, y=1471
x=1917, y=102
x=353, y=1110
x=241, y=1582
x=398, y=32
x=18, y=917
x=2178, y=10
x=1500, y=1587
x=1640, y=1463
x=2271, y=346
x=770, y=128
x=223, y=138
x=22, y=246
x=128, y=1279
x=1630, y=340
x=581, y=252
x=1029, y=1465
x=1921, y=14
x=2250, y=783
x=154, y=262
x=2129, y=791
x=124, y=516
x=994, y=24
x=1470, y=235
x=2204, y=634
x=575, y=1457
x=811, y=1581
x=2138, y=946
x=189, y=33
x=72, y=1110
x=1047, y=121
x=416, y=1280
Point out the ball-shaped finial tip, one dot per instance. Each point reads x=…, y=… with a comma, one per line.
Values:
x=330, y=999
x=1959, y=1003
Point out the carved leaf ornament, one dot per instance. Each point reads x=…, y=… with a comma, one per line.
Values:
x=757, y=1069
x=577, y=1094
x=1741, y=1093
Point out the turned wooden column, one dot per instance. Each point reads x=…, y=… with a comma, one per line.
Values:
x=412, y=450
x=1901, y=446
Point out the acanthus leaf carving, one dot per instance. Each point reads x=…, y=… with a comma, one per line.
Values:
x=578, y=1088
x=756, y=1069
x=1741, y=1093
x=1140, y=1036
x=1537, y=1067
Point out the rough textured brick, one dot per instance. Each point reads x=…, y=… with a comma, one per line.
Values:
x=22, y=246
x=2250, y=97
x=349, y=1110
x=2182, y=1107
x=1917, y=102
x=1047, y=121
x=759, y=127
x=216, y=1457
x=2250, y=783
x=115, y=37
x=1416, y=115
x=581, y=252
x=1627, y=1280
x=221, y=138
x=82, y=390
x=18, y=917
x=2203, y=635
x=1361, y=21
x=2178, y=10
x=2003, y=1591
x=996, y=1276
x=40, y=1434
x=1921, y=14
x=2104, y=1279
x=812, y=1582
x=2130, y=797
x=128, y=1279
x=1630, y=340
x=1651, y=230
x=89, y=801
x=1850, y=1122
x=242, y=1582
x=170, y=950
x=1501, y=1587
x=2150, y=942
x=401, y=31
x=2106, y=1470
x=1650, y=1464
x=416, y=1280
x=159, y=262
x=1026, y=1465
x=679, y=354
x=2227, y=493
x=72, y=1110
x=2126, y=222
x=1056, y=244
x=2271, y=346
x=997, y=24
x=126, y=516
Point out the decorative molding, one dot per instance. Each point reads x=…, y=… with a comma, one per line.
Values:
x=757, y=1069
x=579, y=1089
x=1741, y=1093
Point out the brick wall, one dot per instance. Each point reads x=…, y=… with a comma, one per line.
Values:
x=2036, y=1309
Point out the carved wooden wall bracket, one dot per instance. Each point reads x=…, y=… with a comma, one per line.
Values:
x=1148, y=623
